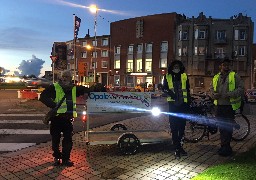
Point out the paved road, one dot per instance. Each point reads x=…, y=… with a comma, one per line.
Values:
x=21, y=121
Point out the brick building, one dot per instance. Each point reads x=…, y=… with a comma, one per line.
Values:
x=144, y=46
x=141, y=49
x=138, y=50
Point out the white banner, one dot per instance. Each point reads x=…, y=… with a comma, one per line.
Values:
x=118, y=102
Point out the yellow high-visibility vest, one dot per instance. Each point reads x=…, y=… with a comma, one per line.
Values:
x=235, y=102
x=60, y=94
x=183, y=86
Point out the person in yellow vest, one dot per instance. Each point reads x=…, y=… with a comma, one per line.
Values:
x=176, y=86
x=63, y=121
x=226, y=89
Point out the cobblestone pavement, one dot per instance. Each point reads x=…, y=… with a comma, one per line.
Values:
x=95, y=162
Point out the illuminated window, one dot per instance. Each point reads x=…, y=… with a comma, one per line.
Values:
x=139, y=65
x=148, y=65
x=117, y=64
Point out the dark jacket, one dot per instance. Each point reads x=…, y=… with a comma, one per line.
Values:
x=47, y=97
x=176, y=77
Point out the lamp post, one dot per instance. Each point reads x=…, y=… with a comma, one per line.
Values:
x=94, y=10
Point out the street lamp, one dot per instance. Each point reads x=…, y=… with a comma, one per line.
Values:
x=94, y=10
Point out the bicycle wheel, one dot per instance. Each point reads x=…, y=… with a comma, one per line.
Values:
x=194, y=132
x=242, y=128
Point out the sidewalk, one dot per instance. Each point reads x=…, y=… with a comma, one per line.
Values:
x=106, y=162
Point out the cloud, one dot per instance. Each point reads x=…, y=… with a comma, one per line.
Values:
x=31, y=66
x=22, y=39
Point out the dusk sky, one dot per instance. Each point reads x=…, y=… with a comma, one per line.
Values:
x=28, y=28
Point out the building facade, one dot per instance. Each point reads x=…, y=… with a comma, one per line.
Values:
x=202, y=42
x=92, y=59
x=138, y=50
x=143, y=47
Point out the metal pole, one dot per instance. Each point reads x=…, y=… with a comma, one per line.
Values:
x=53, y=72
x=74, y=50
x=95, y=40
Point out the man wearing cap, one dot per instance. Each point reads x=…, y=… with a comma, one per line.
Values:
x=226, y=90
x=63, y=121
x=176, y=86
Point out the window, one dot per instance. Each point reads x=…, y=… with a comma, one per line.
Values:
x=201, y=50
x=149, y=48
x=139, y=65
x=94, y=43
x=195, y=50
x=180, y=35
x=221, y=35
x=219, y=53
x=179, y=51
x=130, y=81
x=129, y=65
x=185, y=35
x=117, y=64
x=163, y=63
x=104, y=64
x=139, y=48
x=94, y=65
x=199, y=34
x=83, y=54
x=84, y=43
x=104, y=42
x=240, y=34
x=94, y=54
x=117, y=50
x=184, y=51
x=116, y=80
x=148, y=65
x=130, y=49
x=241, y=50
x=104, y=53
x=164, y=46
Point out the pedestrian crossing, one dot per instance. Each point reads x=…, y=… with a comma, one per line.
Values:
x=18, y=131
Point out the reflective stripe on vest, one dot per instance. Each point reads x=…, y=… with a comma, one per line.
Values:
x=235, y=102
x=59, y=95
x=183, y=86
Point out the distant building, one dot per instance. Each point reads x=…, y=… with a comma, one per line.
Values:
x=202, y=42
x=138, y=50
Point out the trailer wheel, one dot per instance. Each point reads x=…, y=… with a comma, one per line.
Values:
x=118, y=127
x=128, y=143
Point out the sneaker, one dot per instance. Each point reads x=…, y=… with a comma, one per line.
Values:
x=177, y=154
x=183, y=152
x=56, y=162
x=67, y=163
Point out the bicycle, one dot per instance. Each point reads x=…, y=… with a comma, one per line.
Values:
x=202, y=107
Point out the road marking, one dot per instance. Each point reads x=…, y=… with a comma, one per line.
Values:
x=14, y=146
x=21, y=121
x=7, y=115
x=23, y=131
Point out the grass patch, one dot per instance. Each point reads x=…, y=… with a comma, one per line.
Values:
x=19, y=85
x=240, y=167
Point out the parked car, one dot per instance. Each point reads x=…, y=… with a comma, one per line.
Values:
x=37, y=83
x=250, y=95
